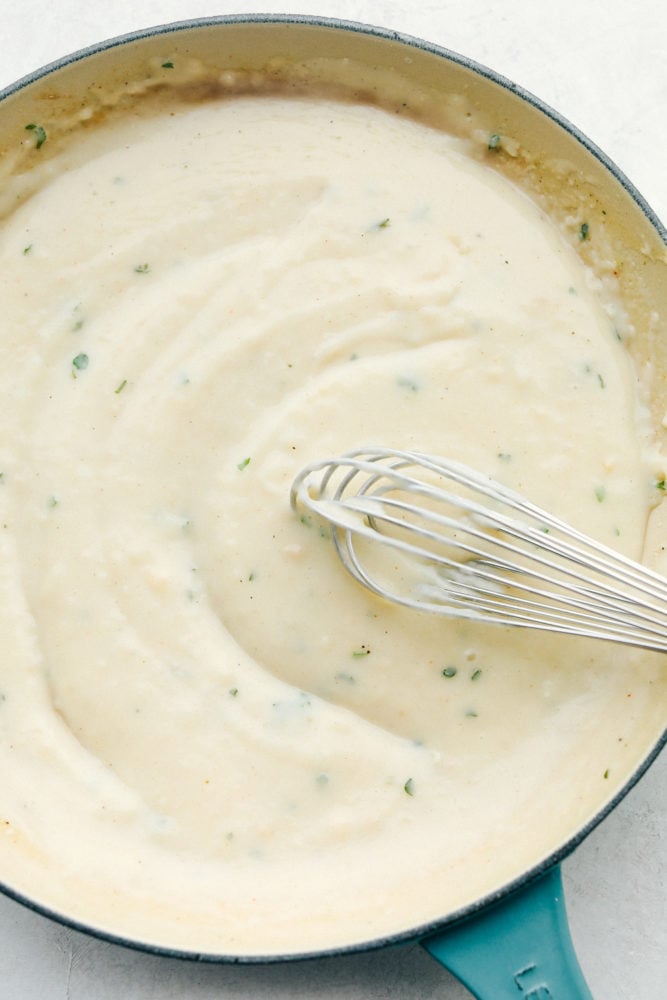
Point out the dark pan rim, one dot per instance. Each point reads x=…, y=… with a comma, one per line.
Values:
x=536, y=871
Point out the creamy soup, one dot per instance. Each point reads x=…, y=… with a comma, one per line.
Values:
x=211, y=737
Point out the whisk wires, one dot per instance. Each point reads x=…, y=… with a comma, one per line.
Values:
x=463, y=545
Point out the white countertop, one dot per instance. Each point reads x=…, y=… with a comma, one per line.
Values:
x=603, y=65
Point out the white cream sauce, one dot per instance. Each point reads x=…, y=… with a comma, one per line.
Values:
x=210, y=736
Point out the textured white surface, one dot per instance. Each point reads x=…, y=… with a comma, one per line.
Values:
x=602, y=64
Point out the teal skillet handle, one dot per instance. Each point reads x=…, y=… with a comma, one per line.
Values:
x=517, y=949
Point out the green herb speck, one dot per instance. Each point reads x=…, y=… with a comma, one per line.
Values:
x=476, y=674
x=449, y=672
x=26, y=250
x=660, y=485
x=583, y=231
x=409, y=787
x=233, y=692
x=471, y=714
x=322, y=779
x=121, y=385
x=142, y=268
x=39, y=132
x=80, y=362
x=494, y=141
x=362, y=651
x=405, y=382
x=606, y=774
x=600, y=493
x=243, y=464
x=168, y=64
x=384, y=224
x=53, y=501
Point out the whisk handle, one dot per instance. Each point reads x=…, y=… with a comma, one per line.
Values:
x=518, y=949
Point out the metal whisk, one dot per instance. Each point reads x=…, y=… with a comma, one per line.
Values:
x=437, y=536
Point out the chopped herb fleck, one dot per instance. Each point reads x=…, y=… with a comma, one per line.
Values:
x=606, y=773
x=39, y=132
x=121, y=385
x=142, y=268
x=362, y=651
x=251, y=576
x=168, y=65
x=243, y=464
x=322, y=779
x=26, y=250
x=53, y=501
x=80, y=362
x=306, y=520
x=589, y=370
x=233, y=692
x=471, y=714
x=476, y=674
x=494, y=141
x=449, y=672
x=660, y=485
x=409, y=787
x=583, y=231
x=600, y=493
x=405, y=382
x=384, y=224
x=504, y=456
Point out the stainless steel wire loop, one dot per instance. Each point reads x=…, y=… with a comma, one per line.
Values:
x=465, y=546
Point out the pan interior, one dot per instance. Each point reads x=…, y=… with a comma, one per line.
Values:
x=213, y=278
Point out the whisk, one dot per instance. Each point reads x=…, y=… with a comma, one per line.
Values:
x=436, y=536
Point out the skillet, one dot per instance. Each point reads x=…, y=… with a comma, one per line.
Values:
x=536, y=893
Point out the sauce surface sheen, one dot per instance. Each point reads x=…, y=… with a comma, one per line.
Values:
x=201, y=716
